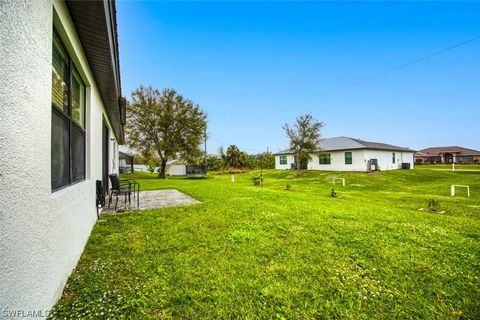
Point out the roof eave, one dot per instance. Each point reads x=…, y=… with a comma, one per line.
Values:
x=95, y=23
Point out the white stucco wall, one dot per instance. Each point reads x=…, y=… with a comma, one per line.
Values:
x=337, y=161
x=42, y=233
x=360, y=160
x=290, y=160
x=385, y=158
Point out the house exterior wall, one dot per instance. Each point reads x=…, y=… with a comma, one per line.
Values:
x=360, y=160
x=43, y=233
x=337, y=161
x=384, y=158
x=290, y=160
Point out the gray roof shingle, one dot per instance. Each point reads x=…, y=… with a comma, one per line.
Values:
x=346, y=143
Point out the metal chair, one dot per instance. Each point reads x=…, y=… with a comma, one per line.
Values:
x=136, y=189
x=125, y=187
x=118, y=188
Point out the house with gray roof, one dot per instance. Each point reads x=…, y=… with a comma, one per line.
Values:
x=349, y=154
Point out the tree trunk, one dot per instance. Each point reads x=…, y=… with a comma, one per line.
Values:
x=163, y=166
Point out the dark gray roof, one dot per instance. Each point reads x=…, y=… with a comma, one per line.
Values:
x=96, y=26
x=346, y=143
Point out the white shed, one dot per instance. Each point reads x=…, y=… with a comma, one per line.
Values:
x=177, y=170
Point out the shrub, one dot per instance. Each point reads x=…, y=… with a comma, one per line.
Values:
x=215, y=163
x=257, y=179
x=333, y=193
x=433, y=205
x=151, y=166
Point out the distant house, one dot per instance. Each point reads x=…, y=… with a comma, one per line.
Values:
x=452, y=154
x=348, y=154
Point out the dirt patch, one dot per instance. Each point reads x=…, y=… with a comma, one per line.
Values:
x=431, y=210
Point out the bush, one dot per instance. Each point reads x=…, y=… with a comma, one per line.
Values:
x=215, y=163
x=151, y=166
x=333, y=193
x=257, y=179
x=433, y=205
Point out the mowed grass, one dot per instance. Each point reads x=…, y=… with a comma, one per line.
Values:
x=252, y=252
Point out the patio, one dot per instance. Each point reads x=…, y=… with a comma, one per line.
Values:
x=152, y=199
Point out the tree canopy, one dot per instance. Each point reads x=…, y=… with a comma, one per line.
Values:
x=304, y=137
x=238, y=159
x=166, y=124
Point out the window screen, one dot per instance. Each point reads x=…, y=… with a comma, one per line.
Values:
x=324, y=158
x=348, y=158
x=78, y=154
x=68, y=120
x=78, y=99
x=60, y=150
x=60, y=75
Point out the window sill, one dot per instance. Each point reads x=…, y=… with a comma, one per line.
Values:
x=70, y=188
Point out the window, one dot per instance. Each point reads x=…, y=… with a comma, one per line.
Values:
x=283, y=159
x=348, y=157
x=68, y=120
x=393, y=157
x=324, y=158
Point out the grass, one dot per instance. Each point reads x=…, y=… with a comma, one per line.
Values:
x=269, y=253
x=449, y=166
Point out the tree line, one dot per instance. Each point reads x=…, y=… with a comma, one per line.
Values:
x=233, y=157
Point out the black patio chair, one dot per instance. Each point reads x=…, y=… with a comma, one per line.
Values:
x=119, y=188
x=125, y=187
x=135, y=187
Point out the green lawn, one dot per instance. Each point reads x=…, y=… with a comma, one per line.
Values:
x=266, y=253
x=449, y=166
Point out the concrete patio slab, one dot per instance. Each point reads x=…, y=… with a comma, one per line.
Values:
x=152, y=199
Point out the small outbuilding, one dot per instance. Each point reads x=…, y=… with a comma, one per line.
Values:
x=349, y=154
x=176, y=168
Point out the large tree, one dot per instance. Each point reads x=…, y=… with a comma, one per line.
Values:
x=304, y=137
x=166, y=123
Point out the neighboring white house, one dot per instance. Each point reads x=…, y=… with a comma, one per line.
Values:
x=62, y=120
x=348, y=154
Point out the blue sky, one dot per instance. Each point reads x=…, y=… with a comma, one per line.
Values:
x=253, y=66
